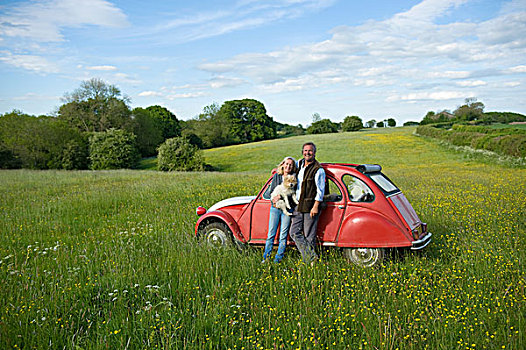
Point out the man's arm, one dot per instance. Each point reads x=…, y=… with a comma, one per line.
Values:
x=320, y=191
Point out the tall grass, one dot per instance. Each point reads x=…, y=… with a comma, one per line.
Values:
x=107, y=259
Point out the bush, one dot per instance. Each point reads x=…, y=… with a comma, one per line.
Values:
x=113, y=149
x=324, y=126
x=178, y=154
x=352, y=123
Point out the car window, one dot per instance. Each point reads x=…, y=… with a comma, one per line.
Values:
x=266, y=194
x=332, y=192
x=358, y=190
x=383, y=182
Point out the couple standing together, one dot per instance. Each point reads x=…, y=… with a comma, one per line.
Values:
x=304, y=220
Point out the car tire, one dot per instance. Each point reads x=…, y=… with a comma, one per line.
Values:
x=364, y=257
x=217, y=234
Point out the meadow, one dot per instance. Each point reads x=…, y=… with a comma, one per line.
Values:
x=108, y=260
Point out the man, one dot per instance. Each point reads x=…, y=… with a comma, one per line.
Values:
x=310, y=191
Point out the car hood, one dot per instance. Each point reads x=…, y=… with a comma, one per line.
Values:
x=232, y=201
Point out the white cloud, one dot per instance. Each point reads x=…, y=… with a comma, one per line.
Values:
x=408, y=50
x=426, y=11
x=125, y=78
x=43, y=21
x=102, y=68
x=471, y=83
x=33, y=63
x=517, y=69
x=174, y=92
x=186, y=95
x=437, y=95
x=449, y=74
x=31, y=96
x=222, y=82
x=512, y=84
x=243, y=15
x=150, y=94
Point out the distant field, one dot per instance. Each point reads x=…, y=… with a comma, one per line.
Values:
x=107, y=259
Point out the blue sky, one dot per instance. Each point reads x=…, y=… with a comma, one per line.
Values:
x=375, y=59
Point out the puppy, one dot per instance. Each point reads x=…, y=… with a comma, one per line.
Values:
x=287, y=192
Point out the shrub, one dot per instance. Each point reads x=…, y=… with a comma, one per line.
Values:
x=324, y=126
x=112, y=149
x=352, y=123
x=179, y=154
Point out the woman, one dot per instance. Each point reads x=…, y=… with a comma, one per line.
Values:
x=286, y=167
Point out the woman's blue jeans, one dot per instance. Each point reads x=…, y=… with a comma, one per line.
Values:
x=276, y=216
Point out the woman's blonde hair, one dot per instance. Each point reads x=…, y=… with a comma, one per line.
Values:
x=280, y=166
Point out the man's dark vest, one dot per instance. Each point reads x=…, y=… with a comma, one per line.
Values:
x=308, y=187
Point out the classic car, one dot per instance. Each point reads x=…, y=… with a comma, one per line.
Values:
x=364, y=214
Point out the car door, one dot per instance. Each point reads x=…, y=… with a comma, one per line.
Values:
x=332, y=215
x=259, y=216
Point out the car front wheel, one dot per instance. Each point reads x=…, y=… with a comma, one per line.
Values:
x=364, y=257
x=217, y=234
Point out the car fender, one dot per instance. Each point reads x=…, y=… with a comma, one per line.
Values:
x=367, y=228
x=220, y=216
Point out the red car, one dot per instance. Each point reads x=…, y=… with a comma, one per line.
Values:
x=364, y=214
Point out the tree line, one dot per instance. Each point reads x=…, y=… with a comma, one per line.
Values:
x=95, y=128
x=471, y=112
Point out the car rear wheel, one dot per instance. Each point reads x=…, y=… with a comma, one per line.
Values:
x=364, y=257
x=217, y=234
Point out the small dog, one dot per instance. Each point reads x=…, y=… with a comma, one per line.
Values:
x=287, y=192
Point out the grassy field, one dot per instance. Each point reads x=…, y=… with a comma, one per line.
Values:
x=107, y=259
x=508, y=126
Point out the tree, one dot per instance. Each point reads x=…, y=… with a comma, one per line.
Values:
x=179, y=154
x=284, y=130
x=370, y=124
x=113, y=149
x=411, y=123
x=167, y=120
x=148, y=130
x=471, y=110
x=248, y=121
x=210, y=127
x=380, y=124
x=96, y=106
x=352, y=123
x=428, y=118
x=440, y=117
x=316, y=117
x=323, y=126
x=40, y=143
x=391, y=122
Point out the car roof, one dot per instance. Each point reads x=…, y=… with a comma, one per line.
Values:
x=337, y=167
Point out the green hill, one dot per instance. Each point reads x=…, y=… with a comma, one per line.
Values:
x=107, y=259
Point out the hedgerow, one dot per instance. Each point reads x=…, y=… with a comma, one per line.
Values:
x=509, y=142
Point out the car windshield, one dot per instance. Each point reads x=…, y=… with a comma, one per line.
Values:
x=383, y=182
